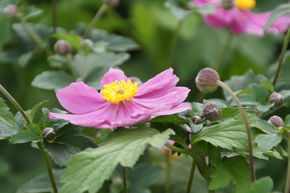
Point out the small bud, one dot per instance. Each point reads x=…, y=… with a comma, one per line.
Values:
x=112, y=3
x=62, y=47
x=87, y=43
x=11, y=11
x=276, y=121
x=135, y=80
x=228, y=4
x=48, y=133
x=276, y=99
x=206, y=80
x=196, y=120
x=211, y=111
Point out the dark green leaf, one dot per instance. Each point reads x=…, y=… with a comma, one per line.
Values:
x=263, y=185
x=174, y=119
x=32, y=133
x=7, y=124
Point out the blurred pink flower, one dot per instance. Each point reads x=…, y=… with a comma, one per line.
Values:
x=240, y=20
x=121, y=102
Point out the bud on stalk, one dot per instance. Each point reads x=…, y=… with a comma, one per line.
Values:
x=276, y=121
x=48, y=133
x=211, y=111
x=276, y=99
x=206, y=80
x=62, y=47
x=11, y=11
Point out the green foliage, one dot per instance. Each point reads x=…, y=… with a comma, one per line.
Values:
x=89, y=169
x=267, y=141
x=7, y=123
x=73, y=39
x=263, y=185
x=31, y=133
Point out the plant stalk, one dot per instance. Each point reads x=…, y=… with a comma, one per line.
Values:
x=177, y=149
x=96, y=18
x=39, y=144
x=124, y=176
x=173, y=43
x=281, y=58
x=53, y=16
x=224, y=52
x=246, y=122
x=191, y=175
x=287, y=187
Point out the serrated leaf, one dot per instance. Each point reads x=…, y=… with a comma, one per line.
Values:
x=52, y=80
x=264, y=126
x=264, y=185
x=40, y=184
x=267, y=141
x=281, y=10
x=32, y=133
x=229, y=134
x=7, y=124
x=89, y=169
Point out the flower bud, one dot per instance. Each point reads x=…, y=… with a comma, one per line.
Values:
x=112, y=3
x=11, y=11
x=276, y=99
x=228, y=4
x=87, y=43
x=135, y=80
x=206, y=80
x=62, y=47
x=48, y=133
x=211, y=111
x=276, y=121
x=196, y=120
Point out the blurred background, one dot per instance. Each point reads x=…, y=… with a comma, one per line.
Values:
x=152, y=26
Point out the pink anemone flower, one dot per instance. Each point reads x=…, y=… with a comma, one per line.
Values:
x=236, y=15
x=121, y=102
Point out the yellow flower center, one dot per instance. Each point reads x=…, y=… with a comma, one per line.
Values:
x=116, y=92
x=245, y=4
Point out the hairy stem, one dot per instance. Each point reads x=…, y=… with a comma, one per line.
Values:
x=224, y=52
x=53, y=15
x=248, y=128
x=39, y=144
x=124, y=176
x=191, y=175
x=281, y=58
x=96, y=18
x=177, y=149
x=287, y=187
x=173, y=43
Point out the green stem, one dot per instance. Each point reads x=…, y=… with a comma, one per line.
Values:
x=40, y=145
x=177, y=149
x=190, y=179
x=168, y=173
x=124, y=175
x=224, y=52
x=281, y=58
x=53, y=16
x=37, y=39
x=70, y=66
x=287, y=187
x=95, y=19
x=246, y=122
x=173, y=43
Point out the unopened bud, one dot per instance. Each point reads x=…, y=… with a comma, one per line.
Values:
x=48, y=133
x=228, y=4
x=11, y=11
x=135, y=80
x=206, y=80
x=62, y=47
x=276, y=121
x=211, y=111
x=112, y=3
x=196, y=120
x=276, y=99
x=87, y=43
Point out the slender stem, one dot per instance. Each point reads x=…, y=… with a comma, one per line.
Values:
x=40, y=145
x=189, y=183
x=281, y=58
x=95, y=19
x=224, y=52
x=14, y=103
x=48, y=166
x=174, y=43
x=177, y=149
x=287, y=187
x=168, y=173
x=248, y=128
x=53, y=15
x=124, y=175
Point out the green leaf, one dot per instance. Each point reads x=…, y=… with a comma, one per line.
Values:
x=74, y=39
x=89, y=169
x=287, y=121
x=40, y=184
x=220, y=178
x=176, y=9
x=263, y=185
x=175, y=119
x=35, y=108
x=267, y=141
x=52, y=80
x=281, y=10
x=32, y=133
x=7, y=123
x=120, y=44
x=264, y=126
x=229, y=134
x=54, y=123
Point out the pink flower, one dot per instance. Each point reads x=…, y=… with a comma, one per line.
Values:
x=240, y=20
x=121, y=102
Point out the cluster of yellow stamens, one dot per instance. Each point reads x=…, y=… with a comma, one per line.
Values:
x=116, y=92
x=245, y=4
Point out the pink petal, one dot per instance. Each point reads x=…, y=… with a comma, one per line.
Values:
x=79, y=98
x=221, y=18
x=112, y=75
x=177, y=109
x=203, y=2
